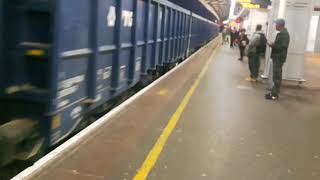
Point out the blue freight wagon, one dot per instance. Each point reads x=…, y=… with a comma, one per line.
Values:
x=60, y=60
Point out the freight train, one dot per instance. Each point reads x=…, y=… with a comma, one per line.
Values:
x=62, y=60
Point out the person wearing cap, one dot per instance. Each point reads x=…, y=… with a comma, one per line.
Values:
x=279, y=56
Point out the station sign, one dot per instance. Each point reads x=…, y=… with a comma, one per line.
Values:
x=250, y=5
x=254, y=4
x=244, y=1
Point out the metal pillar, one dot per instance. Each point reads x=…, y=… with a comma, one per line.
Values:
x=294, y=12
x=317, y=44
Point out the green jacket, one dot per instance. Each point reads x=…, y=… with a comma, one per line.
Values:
x=280, y=46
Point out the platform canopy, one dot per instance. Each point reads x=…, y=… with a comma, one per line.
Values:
x=220, y=8
x=210, y=9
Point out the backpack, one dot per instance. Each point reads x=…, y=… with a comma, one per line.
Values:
x=262, y=47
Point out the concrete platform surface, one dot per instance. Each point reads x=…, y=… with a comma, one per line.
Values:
x=228, y=131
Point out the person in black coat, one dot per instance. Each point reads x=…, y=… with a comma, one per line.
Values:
x=243, y=41
x=232, y=37
x=279, y=55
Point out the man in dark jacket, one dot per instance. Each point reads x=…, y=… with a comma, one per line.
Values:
x=279, y=56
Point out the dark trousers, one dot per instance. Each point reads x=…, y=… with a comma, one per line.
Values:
x=277, y=76
x=232, y=39
x=254, y=65
x=242, y=48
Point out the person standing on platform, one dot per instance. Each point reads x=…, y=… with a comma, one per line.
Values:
x=243, y=42
x=253, y=52
x=227, y=31
x=279, y=56
x=232, y=37
x=224, y=36
x=236, y=37
x=221, y=26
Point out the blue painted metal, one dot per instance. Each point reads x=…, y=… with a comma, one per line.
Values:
x=189, y=34
x=152, y=37
x=2, y=67
x=169, y=35
x=116, y=61
x=174, y=41
x=163, y=26
x=92, y=64
x=176, y=35
x=133, y=74
x=155, y=37
x=145, y=63
x=93, y=51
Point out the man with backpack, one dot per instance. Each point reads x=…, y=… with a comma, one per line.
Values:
x=256, y=47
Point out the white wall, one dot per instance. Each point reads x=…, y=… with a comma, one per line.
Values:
x=317, y=38
x=317, y=41
x=312, y=33
x=256, y=16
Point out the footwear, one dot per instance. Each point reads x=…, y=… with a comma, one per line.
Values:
x=240, y=59
x=251, y=79
x=248, y=79
x=270, y=96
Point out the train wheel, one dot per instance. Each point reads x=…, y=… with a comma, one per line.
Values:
x=7, y=151
x=12, y=135
x=31, y=150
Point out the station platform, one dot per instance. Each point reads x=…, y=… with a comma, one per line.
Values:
x=204, y=121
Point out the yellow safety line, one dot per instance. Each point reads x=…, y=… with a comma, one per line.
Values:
x=155, y=152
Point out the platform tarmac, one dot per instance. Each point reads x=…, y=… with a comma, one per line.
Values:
x=226, y=131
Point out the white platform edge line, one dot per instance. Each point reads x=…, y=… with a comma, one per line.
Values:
x=54, y=154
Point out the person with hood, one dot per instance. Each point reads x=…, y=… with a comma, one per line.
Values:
x=253, y=51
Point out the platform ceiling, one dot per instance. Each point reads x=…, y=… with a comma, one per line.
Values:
x=221, y=7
